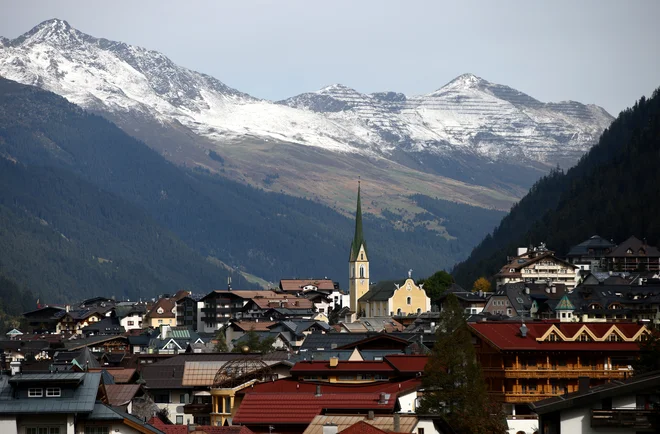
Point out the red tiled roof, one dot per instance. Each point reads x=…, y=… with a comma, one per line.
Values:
x=121, y=394
x=406, y=363
x=167, y=304
x=301, y=408
x=506, y=336
x=362, y=427
x=199, y=429
x=290, y=385
x=304, y=367
x=120, y=375
x=257, y=326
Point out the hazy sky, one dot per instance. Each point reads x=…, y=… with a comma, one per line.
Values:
x=602, y=52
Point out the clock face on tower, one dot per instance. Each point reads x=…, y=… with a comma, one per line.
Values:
x=361, y=281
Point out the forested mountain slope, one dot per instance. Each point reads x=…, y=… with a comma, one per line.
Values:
x=271, y=235
x=613, y=191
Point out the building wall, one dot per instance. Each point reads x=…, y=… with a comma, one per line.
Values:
x=136, y=319
x=407, y=402
x=63, y=421
x=154, y=322
x=8, y=425
x=578, y=420
x=113, y=428
x=175, y=406
x=418, y=299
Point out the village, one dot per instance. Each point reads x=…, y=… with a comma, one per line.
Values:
x=556, y=339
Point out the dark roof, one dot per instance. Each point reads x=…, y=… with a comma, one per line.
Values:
x=82, y=400
x=635, y=244
x=121, y=394
x=633, y=385
x=102, y=412
x=106, y=326
x=595, y=243
x=358, y=238
x=327, y=341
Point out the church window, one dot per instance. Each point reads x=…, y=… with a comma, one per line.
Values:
x=398, y=311
x=409, y=301
x=361, y=271
x=362, y=256
x=419, y=310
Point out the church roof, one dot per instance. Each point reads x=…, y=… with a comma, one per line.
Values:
x=565, y=304
x=358, y=238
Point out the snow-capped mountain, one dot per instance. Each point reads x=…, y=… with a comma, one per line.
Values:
x=469, y=123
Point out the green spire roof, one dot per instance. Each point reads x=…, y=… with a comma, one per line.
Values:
x=358, y=238
x=565, y=304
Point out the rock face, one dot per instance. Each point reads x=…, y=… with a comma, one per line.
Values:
x=469, y=123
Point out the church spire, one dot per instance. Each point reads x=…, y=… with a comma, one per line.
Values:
x=358, y=238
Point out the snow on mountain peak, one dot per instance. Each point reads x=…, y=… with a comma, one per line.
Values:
x=467, y=115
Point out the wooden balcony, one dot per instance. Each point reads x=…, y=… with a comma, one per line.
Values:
x=542, y=373
x=631, y=419
x=520, y=398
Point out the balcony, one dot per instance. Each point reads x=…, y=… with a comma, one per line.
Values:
x=540, y=372
x=197, y=408
x=632, y=419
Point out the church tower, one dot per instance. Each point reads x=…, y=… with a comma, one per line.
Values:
x=358, y=262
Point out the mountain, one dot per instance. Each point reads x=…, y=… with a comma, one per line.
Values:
x=471, y=141
x=612, y=192
x=66, y=239
x=86, y=208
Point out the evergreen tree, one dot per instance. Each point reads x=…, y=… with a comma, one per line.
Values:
x=221, y=341
x=453, y=383
x=649, y=353
x=255, y=343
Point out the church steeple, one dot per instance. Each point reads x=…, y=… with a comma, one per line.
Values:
x=358, y=238
x=358, y=262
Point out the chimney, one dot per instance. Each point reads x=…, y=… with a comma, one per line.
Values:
x=523, y=330
x=370, y=415
x=397, y=422
x=583, y=385
x=383, y=398
x=318, y=390
x=15, y=367
x=329, y=428
x=334, y=361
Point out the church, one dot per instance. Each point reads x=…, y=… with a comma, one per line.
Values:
x=385, y=301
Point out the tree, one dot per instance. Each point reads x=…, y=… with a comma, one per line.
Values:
x=481, y=284
x=255, y=343
x=649, y=353
x=453, y=383
x=221, y=341
x=436, y=285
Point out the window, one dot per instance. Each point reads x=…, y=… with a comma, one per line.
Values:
x=97, y=430
x=53, y=392
x=130, y=323
x=179, y=420
x=409, y=301
x=160, y=321
x=44, y=430
x=182, y=399
x=35, y=393
x=420, y=430
x=162, y=398
x=361, y=271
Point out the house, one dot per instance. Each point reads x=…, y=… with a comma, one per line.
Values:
x=172, y=340
x=48, y=403
x=278, y=307
x=324, y=293
x=73, y=321
x=395, y=299
x=634, y=255
x=290, y=406
x=163, y=312
x=109, y=419
x=43, y=319
x=182, y=384
x=15, y=350
x=617, y=407
x=473, y=303
x=100, y=344
x=130, y=315
x=221, y=306
x=531, y=361
x=106, y=326
x=537, y=264
x=188, y=309
x=590, y=255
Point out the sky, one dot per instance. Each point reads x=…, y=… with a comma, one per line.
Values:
x=594, y=51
